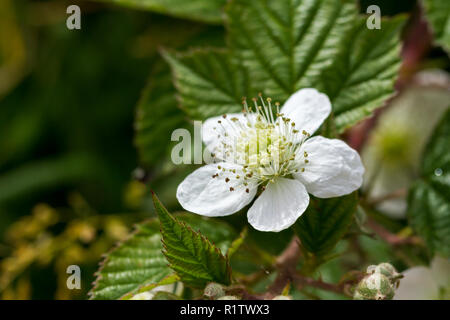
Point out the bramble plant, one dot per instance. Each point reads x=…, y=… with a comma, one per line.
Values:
x=320, y=71
x=319, y=166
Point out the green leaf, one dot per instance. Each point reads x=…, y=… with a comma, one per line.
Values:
x=200, y=10
x=136, y=262
x=325, y=222
x=429, y=198
x=438, y=15
x=208, y=82
x=190, y=254
x=285, y=44
x=158, y=113
x=279, y=47
x=157, y=116
x=363, y=75
x=219, y=233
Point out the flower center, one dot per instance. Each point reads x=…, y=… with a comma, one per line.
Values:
x=266, y=145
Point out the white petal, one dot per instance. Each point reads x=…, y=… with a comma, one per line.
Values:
x=279, y=206
x=308, y=108
x=202, y=194
x=440, y=269
x=213, y=132
x=334, y=169
x=417, y=284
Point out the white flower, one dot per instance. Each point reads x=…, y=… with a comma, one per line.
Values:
x=272, y=153
x=422, y=283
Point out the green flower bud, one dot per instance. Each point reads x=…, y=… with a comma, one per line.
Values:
x=375, y=286
x=387, y=270
x=214, y=291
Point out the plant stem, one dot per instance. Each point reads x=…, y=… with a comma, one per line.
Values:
x=301, y=281
x=390, y=237
x=286, y=264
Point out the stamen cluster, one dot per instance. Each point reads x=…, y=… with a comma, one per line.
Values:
x=264, y=143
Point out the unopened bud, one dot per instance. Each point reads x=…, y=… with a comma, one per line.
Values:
x=374, y=286
x=214, y=291
x=387, y=270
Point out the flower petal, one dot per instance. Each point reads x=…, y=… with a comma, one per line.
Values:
x=308, y=108
x=417, y=284
x=215, y=128
x=440, y=269
x=279, y=206
x=333, y=169
x=202, y=194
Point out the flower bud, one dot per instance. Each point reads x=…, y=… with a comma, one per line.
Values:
x=214, y=291
x=375, y=286
x=387, y=270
